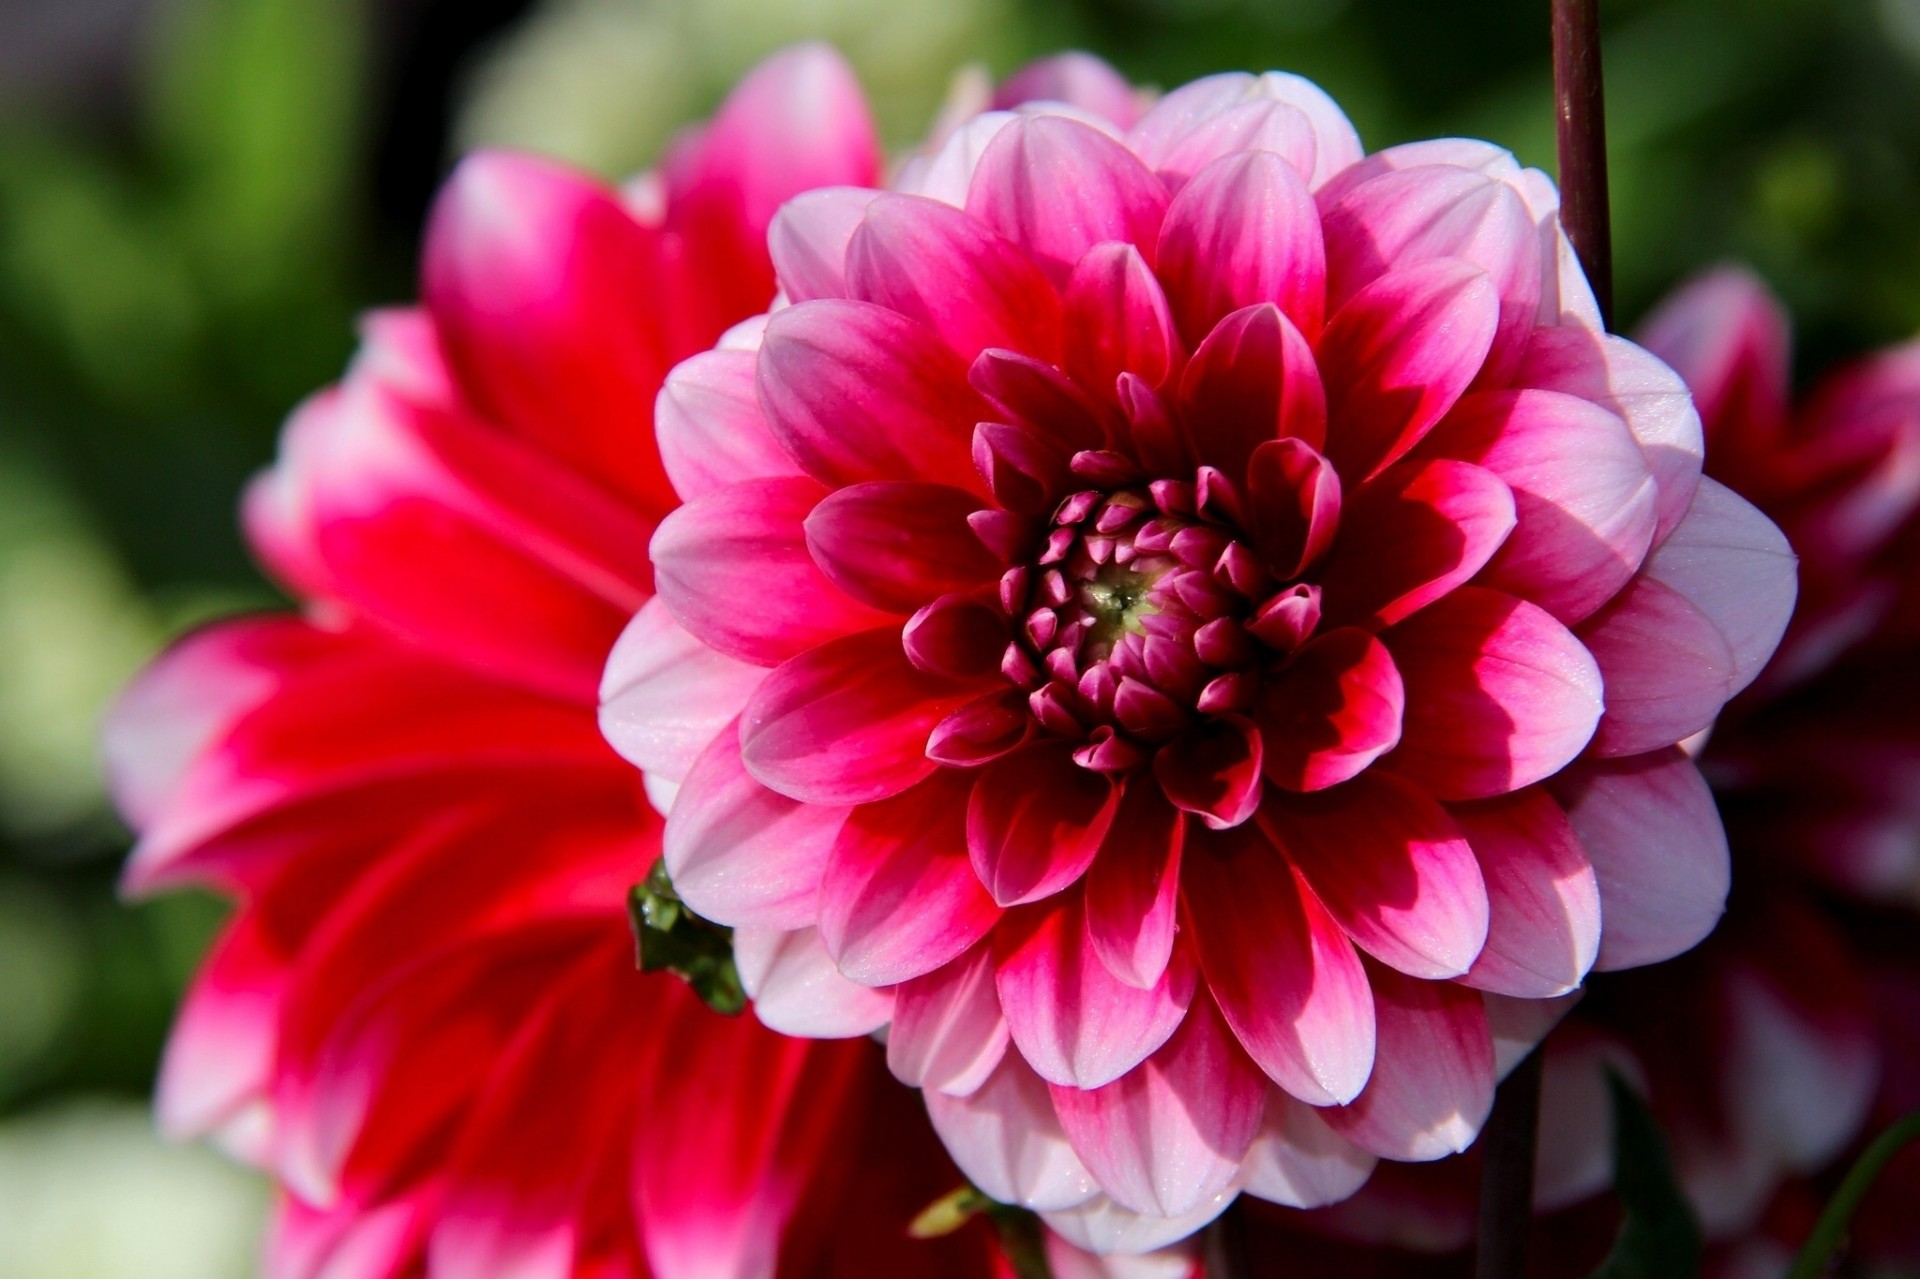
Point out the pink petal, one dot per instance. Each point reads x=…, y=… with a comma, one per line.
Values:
x=794, y=123
x=856, y=392
x=1694, y=627
x=1251, y=382
x=457, y=535
x=1392, y=867
x=530, y=273
x=1076, y=79
x=1073, y=1021
x=1168, y=1136
x=1432, y=1084
x=1104, y=1227
x=1644, y=393
x=953, y=273
x=1008, y=1141
x=1499, y=695
x=1544, y=902
x=1425, y=213
x=1585, y=502
x=808, y=240
x=1056, y=188
x=1283, y=972
x=897, y=545
x=1243, y=231
x=1117, y=320
x=948, y=1035
x=1297, y=1160
x=1334, y=709
x=220, y=1054
x=900, y=898
x=1412, y=534
x=1195, y=108
x=664, y=694
x=1398, y=355
x=1213, y=770
x=743, y=855
x=847, y=722
x=797, y=990
x=1133, y=889
x=1659, y=854
x=710, y=427
x=185, y=701
x=1260, y=124
x=746, y=543
x=1295, y=498
x=1727, y=336
x=1035, y=821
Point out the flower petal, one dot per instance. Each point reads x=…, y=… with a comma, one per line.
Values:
x=1659, y=853
x=1544, y=901
x=664, y=694
x=1168, y=1136
x=1008, y=1141
x=1117, y=320
x=1499, y=695
x=1297, y=1160
x=1432, y=1084
x=710, y=427
x=743, y=855
x=1073, y=1021
x=1398, y=355
x=797, y=990
x=1410, y=535
x=733, y=569
x=1057, y=187
x=808, y=240
x=1283, y=972
x=1333, y=710
x=1035, y=821
x=956, y=275
x=947, y=1034
x=900, y=899
x=1253, y=381
x=1392, y=867
x=846, y=723
x=1243, y=231
x=857, y=392
x=898, y=545
x=1133, y=887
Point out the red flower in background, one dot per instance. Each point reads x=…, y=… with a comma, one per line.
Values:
x=424, y=1018
x=1168, y=574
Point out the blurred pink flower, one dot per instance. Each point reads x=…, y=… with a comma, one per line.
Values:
x=424, y=1018
x=1207, y=607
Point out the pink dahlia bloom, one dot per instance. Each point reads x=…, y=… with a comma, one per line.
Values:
x=1189, y=623
x=424, y=1018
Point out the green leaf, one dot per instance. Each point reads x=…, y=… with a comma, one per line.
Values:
x=1831, y=1230
x=1659, y=1235
x=1022, y=1239
x=670, y=938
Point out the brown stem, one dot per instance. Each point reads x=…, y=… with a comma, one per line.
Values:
x=1580, y=118
x=1224, y=1246
x=1506, y=1174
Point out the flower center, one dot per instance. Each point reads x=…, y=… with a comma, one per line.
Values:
x=1142, y=614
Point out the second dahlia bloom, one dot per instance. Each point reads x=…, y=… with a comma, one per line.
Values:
x=1209, y=615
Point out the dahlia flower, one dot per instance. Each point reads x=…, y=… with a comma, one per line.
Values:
x=424, y=1018
x=1188, y=624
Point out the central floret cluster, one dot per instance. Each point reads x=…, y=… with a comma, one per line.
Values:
x=1189, y=623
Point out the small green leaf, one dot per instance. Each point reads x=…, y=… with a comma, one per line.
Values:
x=670, y=938
x=948, y=1213
x=1830, y=1232
x=1659, y=1235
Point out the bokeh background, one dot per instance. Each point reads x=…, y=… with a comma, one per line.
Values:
x=197, y=196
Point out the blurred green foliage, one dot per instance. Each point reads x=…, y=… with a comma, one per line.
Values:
x=172, y=280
